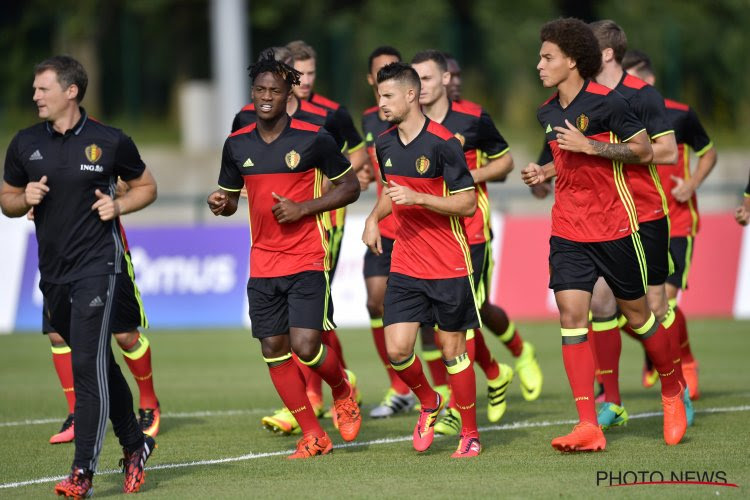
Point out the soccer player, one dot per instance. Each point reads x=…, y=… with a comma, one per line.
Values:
x=742, y=213
x=476, y=132
x=652, y=209
x=66, y=168
x=593, y=221
x=281, y=162
x=680, y=186
x=398, y=398
x=429, y=190
x=454, y=84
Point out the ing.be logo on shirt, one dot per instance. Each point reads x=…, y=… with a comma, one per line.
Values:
x=423, y=164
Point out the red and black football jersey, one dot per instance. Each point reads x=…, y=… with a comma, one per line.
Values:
x=344, y=120
x=373, y=126
x=689, y=134
x=293, y=166
x=478, y=135
x=428, y=245
x=592, y=194
x=648, y=106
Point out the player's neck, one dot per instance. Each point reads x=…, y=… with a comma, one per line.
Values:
x=292, y=105
x=270, y=130
x=68, y=120
x=568, y=89
x=438, y=110
x=610, y=75
x=412, y=125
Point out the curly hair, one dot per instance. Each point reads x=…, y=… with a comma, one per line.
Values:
x=577, y=41
x=267, y=63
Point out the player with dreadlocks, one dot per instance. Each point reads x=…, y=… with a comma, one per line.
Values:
x=281, y=162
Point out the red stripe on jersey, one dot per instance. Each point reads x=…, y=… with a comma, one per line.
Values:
x=595, y=88
x=436, y=129
x=371, y=110
x=633, y=82
x=325, y=102
x=683, y=217
x=122, y=236
x=676, y=105
x=244, y=130
x=249, y=107
x=467, y=107
x=386, y=225
x=553, y=96
x=312, y=108
x=393, y=127
x=301, y=125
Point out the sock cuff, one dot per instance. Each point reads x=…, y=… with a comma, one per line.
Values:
x=318, y=359
x=602, y=325
x=376, y=322
x=432, y=355
x=457, y=364
x=277, y=361
x=507, y=335
x=622, y=321
x=470, y=334
x=400, y=366
x=60, y=350
x=646, y=326
x=143, y=345
x=668, y=318
x=572, y=336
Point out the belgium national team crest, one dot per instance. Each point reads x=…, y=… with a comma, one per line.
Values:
x=423, y=163
x=582, y=122
x=460, y=138
x=93, y=153
x=292, y=159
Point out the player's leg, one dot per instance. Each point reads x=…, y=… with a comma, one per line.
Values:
x=61, y=359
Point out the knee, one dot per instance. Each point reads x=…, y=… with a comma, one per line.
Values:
x=573, y=319
x=374, y=307
x=307, y=350
x=399, y=353
x=127, y=339
x=56, y=339
x=274, y=347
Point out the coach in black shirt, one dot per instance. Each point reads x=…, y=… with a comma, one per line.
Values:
x=66, y=169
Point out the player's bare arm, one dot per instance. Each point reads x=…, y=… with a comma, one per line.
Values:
x=17, y=201
x=223, y=202
x=636, y=151
x=665, y=149
x=496, y=170
x=462, y=204
x=684, y=188
x=534, y=174
x=371, y=234
x=346, y=192
x=141, y=193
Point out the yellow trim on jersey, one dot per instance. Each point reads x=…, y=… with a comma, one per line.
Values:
x=626, y=140
x=344, y=147
x=691, y=206
x=136, y=292
x=662, y=134
x=327, y=324
x=320, y=220
x=622, y=187
x=573, y=332
x=460, y=190
x=230, y=190
x=498, y=155
x=688, y=261
x=342, y=173
x=357, y=147
x=483, y=204
x=659, y=189
x=705, y=149
x=640, y=254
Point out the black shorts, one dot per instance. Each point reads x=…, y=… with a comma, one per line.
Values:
x=482, y=264
x=301, y=300
x=379, y=265
x=126, y=308
x=576, y=266
x=449, y=303
x=681, y=252
x=655, y=240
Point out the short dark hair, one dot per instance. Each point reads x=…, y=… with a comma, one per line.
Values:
x=280, y=53
x=638, y=61
x=433, y=55
x=267, y=63
x=610, y=36
x=300, y=51
x=383, y=50
x=69, y=72
x=577, y=41
x=401, y=72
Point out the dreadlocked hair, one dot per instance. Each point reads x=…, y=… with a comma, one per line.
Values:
x=267, y=63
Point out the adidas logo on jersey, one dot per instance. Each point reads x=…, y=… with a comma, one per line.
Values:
x=549, y=129
x=368, y=138
x=36, y=155
x=248, y=163
x=97, y=302
x=388, y=163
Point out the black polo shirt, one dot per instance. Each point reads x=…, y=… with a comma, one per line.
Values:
x=74, y=242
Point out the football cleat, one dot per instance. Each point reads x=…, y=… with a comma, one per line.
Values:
x=690, y=372
x=675, y=420
x=393, y=403
x=529, y=373
x=149, y=420
x=77, y=485
x=67, y=432
x=467, y=447
x=450, y=423
x=611, y=415
x=281, y=422
x=348, y=416
x=331, y=413
x=133, y=465
x=689, y=410
x=312, y=446
x=496, y=403
x=424, y=431
x=584, y=437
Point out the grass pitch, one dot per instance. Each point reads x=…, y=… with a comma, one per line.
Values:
x=214, y=388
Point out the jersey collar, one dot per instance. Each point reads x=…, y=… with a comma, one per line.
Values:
x=76, y=130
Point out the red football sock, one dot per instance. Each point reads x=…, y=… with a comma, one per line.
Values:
x=607, y=348
x=410, y=371
x=673, y=335
x=629, y=330
x=330, y=339
x=579, y=366
x=656, y=344
x=64, y=367
x=592, y=343
x=138, y=358
x=287, y=379
x=483, y=356
x=435, y=364
x=327, y=365
x=464, y=388
x=378, y=335
x=685, y=353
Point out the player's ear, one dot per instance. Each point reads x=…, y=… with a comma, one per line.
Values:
x=72, y=91
x=370, y=80
x=446, y=78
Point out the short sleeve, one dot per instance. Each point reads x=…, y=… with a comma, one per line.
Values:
x=649, y=107
x=330, y=160
x=230, y=178
x=621, y=119
x=14, y=174
x=695, y=135
x=348, y=130
x=380, y=163
x=128, y=164
x=236, y=123
x=334, y=126
x=489, y=138
x=545, y=155
x=455, y=170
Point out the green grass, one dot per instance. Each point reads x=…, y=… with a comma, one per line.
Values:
x=222, y=370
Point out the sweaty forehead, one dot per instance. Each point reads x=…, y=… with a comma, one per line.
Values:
x=269, y=79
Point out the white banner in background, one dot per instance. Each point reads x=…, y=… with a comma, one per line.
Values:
x=742, y=292
x=14, y=234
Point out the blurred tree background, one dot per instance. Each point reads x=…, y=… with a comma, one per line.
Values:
x=139, y=51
